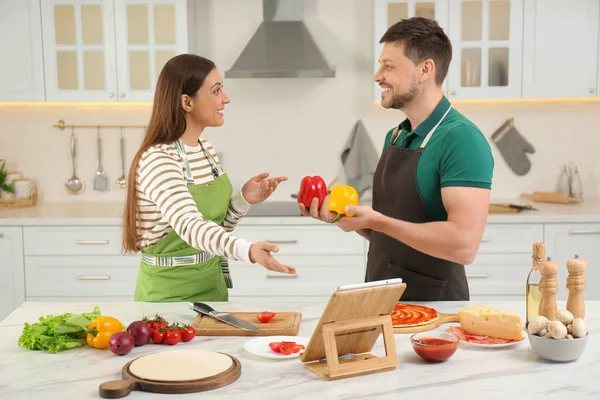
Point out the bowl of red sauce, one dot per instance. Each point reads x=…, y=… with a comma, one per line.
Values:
x=434, y=346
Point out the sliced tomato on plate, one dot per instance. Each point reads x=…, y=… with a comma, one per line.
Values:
x=275, y=346
x=286, y=349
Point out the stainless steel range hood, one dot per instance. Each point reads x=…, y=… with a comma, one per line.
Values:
x=281, y=47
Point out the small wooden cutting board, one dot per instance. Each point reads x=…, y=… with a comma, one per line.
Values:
x=443, y=319
x=283, y=324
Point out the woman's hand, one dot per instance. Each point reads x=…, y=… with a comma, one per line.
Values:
x=260, y=252
x=258, y=188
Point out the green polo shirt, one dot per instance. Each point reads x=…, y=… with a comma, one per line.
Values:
x=457, y=154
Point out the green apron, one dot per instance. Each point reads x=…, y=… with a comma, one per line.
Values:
x=199, y=282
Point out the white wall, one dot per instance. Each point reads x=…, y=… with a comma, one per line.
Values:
x=292, y=127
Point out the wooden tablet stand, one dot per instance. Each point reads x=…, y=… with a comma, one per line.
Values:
x=348, y=329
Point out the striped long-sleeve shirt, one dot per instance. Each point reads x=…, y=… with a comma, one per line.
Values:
x=166, y=204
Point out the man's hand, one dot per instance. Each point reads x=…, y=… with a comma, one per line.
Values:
x=364, y=218
x=322, y=214
x=258, y=188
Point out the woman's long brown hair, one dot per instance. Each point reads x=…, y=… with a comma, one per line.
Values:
x=183, y=74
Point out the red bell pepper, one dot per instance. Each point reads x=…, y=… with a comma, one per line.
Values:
x=311, y=187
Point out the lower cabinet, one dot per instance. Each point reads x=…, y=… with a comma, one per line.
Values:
x=12, y=286
x=563, y=242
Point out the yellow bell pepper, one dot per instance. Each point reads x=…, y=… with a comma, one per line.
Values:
x=340, y=197
x=100, y=330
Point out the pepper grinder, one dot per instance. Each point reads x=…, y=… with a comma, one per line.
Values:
x=548, y=287
x=576, y=285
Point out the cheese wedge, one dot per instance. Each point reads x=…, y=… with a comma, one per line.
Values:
x=483, y=320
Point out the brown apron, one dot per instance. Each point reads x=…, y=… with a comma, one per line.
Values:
x=396, y=195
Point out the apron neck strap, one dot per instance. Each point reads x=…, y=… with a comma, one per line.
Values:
x=434, y=128
x=181, y=150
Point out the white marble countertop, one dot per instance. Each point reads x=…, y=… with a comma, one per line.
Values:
x=472, y=373
x=273, y=213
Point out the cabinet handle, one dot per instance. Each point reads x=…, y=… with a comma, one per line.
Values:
x=282, y=276
x=478, y=276
x=93, y=277
x=121, y=94
x=111, y=95
x=592, y=90
x=485, y=239
x=282, y=241
x=1, y=235
x=91, y=241
x=584, y=231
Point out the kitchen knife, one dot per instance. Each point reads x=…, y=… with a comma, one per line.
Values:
x=205, y=309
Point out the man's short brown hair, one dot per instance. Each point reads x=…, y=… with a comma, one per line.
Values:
x=422, y=38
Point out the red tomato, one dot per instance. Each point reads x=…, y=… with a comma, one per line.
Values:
x=275, y=346
x=265, y=316
x=158, y=336
x=173, y=337
x=188, y=333
x=286, y=349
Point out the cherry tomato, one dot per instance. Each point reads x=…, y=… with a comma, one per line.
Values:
x=188, y=333
x=158, y=336
x=286, y=349
x=265, y=316
x=172, y=337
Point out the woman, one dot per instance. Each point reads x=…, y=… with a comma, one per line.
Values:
x=180, y=209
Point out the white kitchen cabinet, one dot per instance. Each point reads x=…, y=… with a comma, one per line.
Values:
x=12, y=285
x=486, y=38
x=560, y=48
x=387, y=12
x=149, y=33
x=563, y=242
x=503, y=261
x=109, y=50
x=22, y=67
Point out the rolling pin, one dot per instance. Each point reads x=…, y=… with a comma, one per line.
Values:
x=551, y=197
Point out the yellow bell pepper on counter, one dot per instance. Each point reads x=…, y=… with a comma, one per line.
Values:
x=340, y=197
x=100, y=330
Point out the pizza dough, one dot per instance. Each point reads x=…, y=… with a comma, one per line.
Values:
x=408, y=315
x=180, y=365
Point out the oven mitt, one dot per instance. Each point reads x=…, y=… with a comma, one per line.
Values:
x=513, y=147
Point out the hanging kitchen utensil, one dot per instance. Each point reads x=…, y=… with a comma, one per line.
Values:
x=513, y=147
x=74, y=185
x=101, y=179
x=122, y=181
x=563, y=185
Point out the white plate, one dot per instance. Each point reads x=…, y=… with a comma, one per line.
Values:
x=260, y=346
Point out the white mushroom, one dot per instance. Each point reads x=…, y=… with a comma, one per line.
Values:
x=570, y=328
x=537, y=324
x=579, y=328
x=557, y=329
x=548, y=335
x=569, y=336
x=543, y=332
x=564, y=316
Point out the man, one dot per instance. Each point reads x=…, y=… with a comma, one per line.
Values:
x=431, y=189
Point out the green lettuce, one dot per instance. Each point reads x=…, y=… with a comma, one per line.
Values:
x=53, y=333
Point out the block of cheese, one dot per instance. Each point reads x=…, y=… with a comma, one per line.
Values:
x=483, y=320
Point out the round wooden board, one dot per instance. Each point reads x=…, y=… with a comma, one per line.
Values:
x=130, y=382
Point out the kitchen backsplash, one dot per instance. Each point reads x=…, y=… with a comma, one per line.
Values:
x=292, y=127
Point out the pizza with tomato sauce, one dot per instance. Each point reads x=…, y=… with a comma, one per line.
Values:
x=412, y=315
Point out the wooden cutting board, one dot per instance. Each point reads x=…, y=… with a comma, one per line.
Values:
x=130, y=382
x=284, y=324
x=443, y=319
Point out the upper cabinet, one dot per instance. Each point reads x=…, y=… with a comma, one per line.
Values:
x=149, y=33
x=387, y=12
x=22, y=67
x=109, y=50
x=486, y=38
x=79, y=54
x=560, y=48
